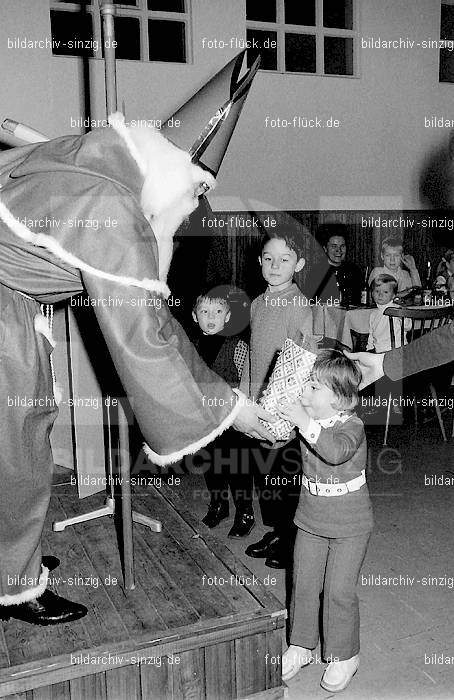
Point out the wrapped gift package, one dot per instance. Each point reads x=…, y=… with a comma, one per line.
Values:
x=290, y=374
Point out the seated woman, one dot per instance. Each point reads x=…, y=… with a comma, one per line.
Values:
x=334, y=279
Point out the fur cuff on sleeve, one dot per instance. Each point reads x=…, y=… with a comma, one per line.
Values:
x=172, y=457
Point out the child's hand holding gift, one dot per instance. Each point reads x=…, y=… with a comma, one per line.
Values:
x=294, y=412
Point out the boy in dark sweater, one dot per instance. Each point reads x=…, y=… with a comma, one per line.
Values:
x=281, y=312
x=224, y=354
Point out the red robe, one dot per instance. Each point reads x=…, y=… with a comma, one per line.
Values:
x=83, y=193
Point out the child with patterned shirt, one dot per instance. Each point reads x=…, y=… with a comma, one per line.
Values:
x=334, y=521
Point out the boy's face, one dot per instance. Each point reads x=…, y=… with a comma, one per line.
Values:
x=318, y=400
x=279, y=263
x=336, y=250
x=392, y=257
x=211, y=316
x=383, y=293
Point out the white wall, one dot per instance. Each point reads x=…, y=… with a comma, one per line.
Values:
x=373, y=160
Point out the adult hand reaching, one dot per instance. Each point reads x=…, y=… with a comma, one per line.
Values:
x=371, y=366
x=247, y=420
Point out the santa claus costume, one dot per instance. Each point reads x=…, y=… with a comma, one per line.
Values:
x=146, y=185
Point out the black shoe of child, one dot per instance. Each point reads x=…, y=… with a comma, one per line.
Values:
x=263, y=548
x=243, y=523
x=277, y=559
x=50, y=562
x=217, y=511
x=280, y=554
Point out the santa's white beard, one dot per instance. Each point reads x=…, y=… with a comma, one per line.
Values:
x=169, y=190
x=164, y=226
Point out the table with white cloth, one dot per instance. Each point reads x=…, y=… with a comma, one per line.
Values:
x=337, y=322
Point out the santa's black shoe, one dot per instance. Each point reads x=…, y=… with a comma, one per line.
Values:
x=48, y=609
x=50, y=562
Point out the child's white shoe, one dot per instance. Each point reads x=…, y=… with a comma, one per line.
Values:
x=294, y=659
x=338, y=674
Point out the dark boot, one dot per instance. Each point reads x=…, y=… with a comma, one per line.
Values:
x=50, y=562
x=278, y=557
x=217, y=510
x=280, y=553
x=262, y=548
x=243, y=523
x=48, y=609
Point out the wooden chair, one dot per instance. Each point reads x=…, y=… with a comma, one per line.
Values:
x=415, y=322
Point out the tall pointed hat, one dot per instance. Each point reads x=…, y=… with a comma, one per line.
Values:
x=208, y=118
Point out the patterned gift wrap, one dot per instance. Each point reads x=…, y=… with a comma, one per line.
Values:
x=290, y=374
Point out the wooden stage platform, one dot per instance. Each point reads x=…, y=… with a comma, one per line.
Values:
x=198, y=624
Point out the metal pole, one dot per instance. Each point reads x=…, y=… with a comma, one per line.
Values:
x=107, y=9
x=126, y=505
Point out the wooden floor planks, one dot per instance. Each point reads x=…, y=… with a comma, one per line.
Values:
x=170, y=589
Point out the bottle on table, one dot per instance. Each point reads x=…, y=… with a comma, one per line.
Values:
x=365, y=296
x=427, y=287
x=344, y=295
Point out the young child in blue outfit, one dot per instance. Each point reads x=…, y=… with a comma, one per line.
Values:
x=334, y=521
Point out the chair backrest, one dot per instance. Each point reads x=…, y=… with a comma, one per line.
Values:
x=415, y=322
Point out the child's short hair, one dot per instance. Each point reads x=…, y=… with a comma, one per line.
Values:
x=291, y=240
x=336, y=371
x=392, y=242
x=210, y=296
x=385, y=279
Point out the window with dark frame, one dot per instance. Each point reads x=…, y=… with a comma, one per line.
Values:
x=446, y=68
x=310, y=36
x=145, y=30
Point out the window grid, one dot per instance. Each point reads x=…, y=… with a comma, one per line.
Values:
x=445, y=55
x=141, y=12
x=319, y=31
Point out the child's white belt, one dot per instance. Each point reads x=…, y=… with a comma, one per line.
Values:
x=319, y=489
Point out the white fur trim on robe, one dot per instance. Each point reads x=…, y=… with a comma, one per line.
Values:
x=172, y=457
x=42, y=240
x=29, y=593
x=117, y=122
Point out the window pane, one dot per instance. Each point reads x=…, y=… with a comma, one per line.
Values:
x=261, y=10
x=300, y=53
x=265, y=44
x=446, y=74
x=447, y=22
x=72, y=33
x=167, y=40
x=166, y=5
x=127, y=36
x=297, y=12
x=338, y=13
x=338, y=55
